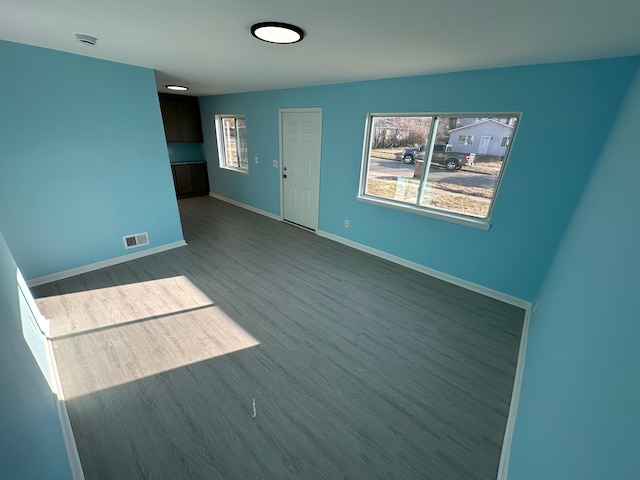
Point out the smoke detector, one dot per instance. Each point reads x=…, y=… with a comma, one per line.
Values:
x=86, y=39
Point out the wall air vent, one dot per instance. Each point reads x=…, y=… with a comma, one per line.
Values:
x=137, y=240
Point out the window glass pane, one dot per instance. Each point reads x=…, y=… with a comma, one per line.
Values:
x=230, y=141
x=464, y=179
x=391, y=172
x=241, y=155
x=231, y=132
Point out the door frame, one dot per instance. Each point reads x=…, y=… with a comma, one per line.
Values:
x=282, y=111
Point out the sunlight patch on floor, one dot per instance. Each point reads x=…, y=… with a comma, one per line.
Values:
x=115, y=335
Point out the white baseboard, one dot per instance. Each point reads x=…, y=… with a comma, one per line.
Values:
x=63, y=415
x=246, y=207
x=503, y=297
x=518, y=302
x=503, y=468
x=103, y=264
x=474, y=287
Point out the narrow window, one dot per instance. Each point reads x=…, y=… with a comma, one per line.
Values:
x=231, y=133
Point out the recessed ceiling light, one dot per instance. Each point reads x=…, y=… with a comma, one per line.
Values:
x=277, y=32
x=179, y=88
x=86, y=39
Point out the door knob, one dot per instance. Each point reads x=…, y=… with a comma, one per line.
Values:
x=284, y=176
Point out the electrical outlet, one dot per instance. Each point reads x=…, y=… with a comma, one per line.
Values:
x=346, y=223
x=275, y=164
x=255, y=159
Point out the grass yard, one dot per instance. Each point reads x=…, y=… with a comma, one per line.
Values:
x=387, y=153
x=467, y=200
x=490, y=166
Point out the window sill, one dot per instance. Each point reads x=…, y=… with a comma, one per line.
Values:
x=480, y=223
x=243, y=171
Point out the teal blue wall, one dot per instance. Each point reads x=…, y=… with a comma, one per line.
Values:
x=185, y=152
x=31, y=442
x=579, y=414
x=567, y=111
x=84, y=159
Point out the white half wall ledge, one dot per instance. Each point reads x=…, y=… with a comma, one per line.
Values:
x=34, y=282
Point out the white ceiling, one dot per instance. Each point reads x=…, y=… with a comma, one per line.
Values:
x=206, y=44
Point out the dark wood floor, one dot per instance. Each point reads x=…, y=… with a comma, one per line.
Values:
x=360, y=368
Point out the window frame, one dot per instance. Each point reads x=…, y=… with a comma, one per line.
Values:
x=466, y=140
x=427, y=211
x=222, y=145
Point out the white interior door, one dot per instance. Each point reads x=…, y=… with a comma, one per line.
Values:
x=300, y=138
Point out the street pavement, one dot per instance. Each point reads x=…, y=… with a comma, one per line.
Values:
x=381, y=167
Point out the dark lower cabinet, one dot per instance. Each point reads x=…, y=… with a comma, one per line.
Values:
x=190, y=179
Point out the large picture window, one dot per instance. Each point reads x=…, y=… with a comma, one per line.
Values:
x=430, y=163
x=231, y=133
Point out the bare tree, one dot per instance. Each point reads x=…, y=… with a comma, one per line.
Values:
x=393, y=132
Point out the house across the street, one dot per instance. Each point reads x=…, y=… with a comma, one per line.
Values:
x=486, y=137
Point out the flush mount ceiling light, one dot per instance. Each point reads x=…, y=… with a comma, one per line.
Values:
x=277, y=32
x=86, y=39
x=179, y=88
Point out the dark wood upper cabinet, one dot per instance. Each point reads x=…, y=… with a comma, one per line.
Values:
x=181, y=118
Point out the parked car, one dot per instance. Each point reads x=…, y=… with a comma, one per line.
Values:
x=442, y=155
x=409, y=154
